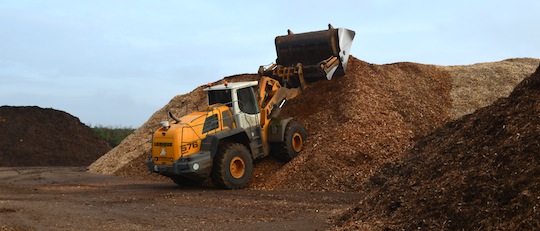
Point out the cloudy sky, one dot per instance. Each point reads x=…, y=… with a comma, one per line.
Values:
x=115, y=62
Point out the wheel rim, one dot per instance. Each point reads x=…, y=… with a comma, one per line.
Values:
x=237, y=167
x=297, y=142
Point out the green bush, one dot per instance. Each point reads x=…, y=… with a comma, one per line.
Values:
x=113, y=135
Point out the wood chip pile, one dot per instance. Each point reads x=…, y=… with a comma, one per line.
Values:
x=360, y=121
x=34, y=136
x=480, y=172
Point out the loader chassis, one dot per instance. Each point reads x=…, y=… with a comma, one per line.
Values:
x=232, y=118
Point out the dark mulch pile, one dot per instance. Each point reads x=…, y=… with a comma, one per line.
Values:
x=34, y=136
x=480, y=172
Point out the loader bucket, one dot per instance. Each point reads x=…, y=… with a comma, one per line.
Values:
x=323, y=54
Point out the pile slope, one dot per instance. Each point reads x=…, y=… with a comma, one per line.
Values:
x=479, y=172
x=33, y=136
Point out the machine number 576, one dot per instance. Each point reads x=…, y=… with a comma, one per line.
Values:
x=186, y=147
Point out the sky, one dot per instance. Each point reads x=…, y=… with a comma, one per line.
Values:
x=115, y=62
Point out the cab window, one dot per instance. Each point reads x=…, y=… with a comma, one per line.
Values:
x=246, y=100
x=210, y=123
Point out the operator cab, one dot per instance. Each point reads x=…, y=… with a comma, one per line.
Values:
x=241, y=98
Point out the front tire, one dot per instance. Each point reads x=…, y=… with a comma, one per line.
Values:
x=233, y=166
x=293, y=143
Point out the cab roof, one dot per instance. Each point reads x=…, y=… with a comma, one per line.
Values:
x=232, y=85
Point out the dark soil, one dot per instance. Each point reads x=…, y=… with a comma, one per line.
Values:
x=34, y=136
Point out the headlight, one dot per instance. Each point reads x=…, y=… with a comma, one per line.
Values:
x=196, y=166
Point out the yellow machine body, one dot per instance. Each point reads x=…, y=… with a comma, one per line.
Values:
x=178, y=142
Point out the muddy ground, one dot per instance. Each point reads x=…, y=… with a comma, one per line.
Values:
x=68, y=198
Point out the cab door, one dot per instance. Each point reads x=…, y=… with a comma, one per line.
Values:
x=247, y=111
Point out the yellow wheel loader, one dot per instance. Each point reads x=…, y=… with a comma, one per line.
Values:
x=241, y=122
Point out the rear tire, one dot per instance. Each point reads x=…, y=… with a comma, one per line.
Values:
x=233, y=166
x=294, y=138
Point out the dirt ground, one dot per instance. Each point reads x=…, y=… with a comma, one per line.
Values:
x=69, y=198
